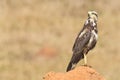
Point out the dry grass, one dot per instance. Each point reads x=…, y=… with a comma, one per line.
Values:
x=27, y=25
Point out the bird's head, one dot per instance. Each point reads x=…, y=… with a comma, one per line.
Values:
x=93, y=16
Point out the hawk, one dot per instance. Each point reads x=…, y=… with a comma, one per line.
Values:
x=85, y=41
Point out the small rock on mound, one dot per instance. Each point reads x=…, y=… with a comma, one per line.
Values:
x=80, y=73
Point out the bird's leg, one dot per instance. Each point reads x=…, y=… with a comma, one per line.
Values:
x=85, y=56
x=85, y=59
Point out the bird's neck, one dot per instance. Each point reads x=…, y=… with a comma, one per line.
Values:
x=91, y=22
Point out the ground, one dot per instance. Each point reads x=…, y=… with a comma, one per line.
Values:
x=80, y=73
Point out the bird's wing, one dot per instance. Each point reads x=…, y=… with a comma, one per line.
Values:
x=93, y=43
x=81, y=41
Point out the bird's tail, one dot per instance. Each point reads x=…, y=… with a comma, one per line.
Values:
x=74, y=60
x=70, y=66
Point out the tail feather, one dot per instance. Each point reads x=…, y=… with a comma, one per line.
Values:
x=70, y=66
x=74, y=60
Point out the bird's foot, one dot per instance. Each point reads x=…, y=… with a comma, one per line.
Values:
x=87, y=65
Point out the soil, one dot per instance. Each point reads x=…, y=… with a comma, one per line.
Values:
x=80, y=73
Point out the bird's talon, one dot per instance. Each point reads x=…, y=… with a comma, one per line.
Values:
x=87, y=65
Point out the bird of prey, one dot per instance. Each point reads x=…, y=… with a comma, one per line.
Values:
x=85, y=41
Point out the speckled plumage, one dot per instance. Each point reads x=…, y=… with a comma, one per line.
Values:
x=85, y=41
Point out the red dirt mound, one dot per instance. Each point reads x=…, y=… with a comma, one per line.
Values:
x=80, y=73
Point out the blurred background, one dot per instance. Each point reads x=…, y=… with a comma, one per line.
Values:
x=36, y=36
